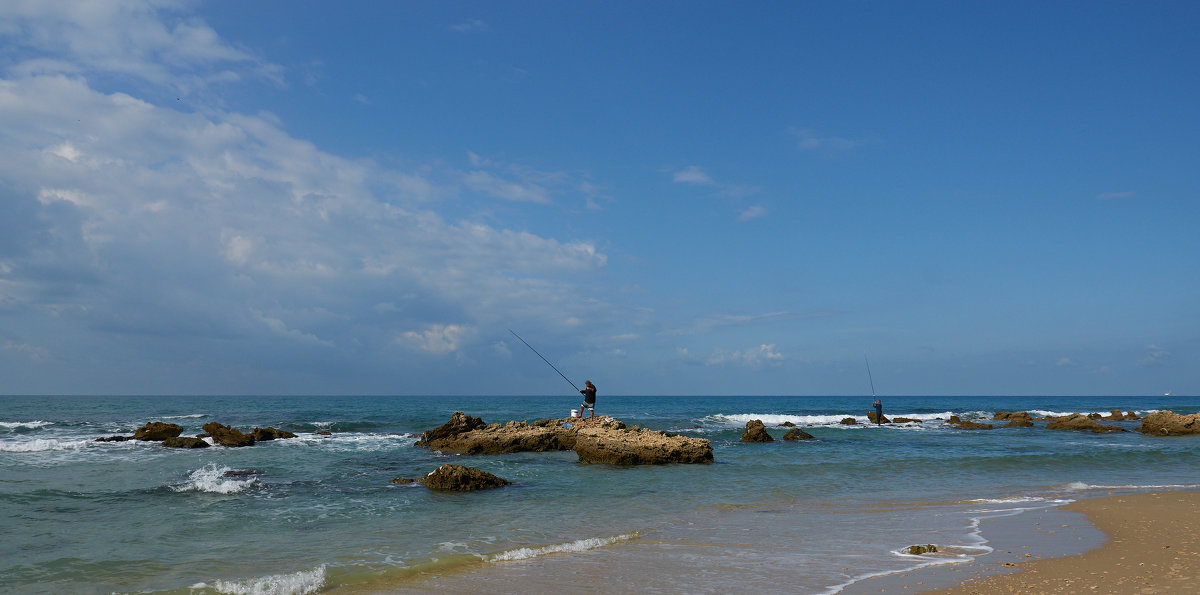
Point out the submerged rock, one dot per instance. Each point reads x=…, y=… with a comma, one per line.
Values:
x=795, y=434
x=114, y=439
x=848, y=421
x=1169, y=423
x=157, y=431
x=905, y=420
x=756, y=432
x=457, y=478
x=1079, y=421
x=966, y=424
x=917, y=550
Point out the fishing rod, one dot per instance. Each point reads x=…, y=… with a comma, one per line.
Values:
x=869, y=374
x=545, y=360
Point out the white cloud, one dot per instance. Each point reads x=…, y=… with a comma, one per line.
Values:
x=693, y=174
x=222, y=227
x=750, y=358
x=751, y=213
x=143, y=39
x=471, y=26
x=1155, y=356
x=1116, y=195
x=807, y=140
x=436, y=338
x=495, y=187
x=34, y=353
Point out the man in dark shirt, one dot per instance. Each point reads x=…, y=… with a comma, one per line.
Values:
x=589, y=398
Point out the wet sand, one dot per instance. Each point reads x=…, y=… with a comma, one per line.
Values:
x=1153, y=546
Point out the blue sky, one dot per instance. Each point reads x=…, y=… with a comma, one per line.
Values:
x=666, y=198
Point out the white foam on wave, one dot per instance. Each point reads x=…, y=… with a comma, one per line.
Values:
x=296, y=583
x=13, y=425
x=775, y=419
x=581, y=545
x=213, y=479
x=188, y=416
x=1079, y=486
x=353, y=441
x=43, y=445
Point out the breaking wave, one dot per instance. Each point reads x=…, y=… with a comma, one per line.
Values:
x=296, y=583
x=217, y=480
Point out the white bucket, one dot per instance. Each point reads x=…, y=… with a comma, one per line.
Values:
x=574, y=413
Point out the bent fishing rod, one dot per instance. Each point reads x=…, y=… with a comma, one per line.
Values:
x=545, y=360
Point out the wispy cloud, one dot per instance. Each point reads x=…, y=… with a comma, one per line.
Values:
x=436, y=338
x=496, y=187
x=807, y=140
x=1116, y=195
x=751, y=213
x=471, y=26
x=750, y=358
x=693, y=174
x=1155, y=356
x=708, y=323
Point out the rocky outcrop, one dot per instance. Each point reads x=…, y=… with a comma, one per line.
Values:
x=1016, y=419
x=595, y=439
x=264, y=434
x=966, y=424
x=113, y=439
x=1169, y=423
x=795, y=434
x=227, y=436
x=848, y=421
x=1081, y=422
x=756, y=432
x=905, y=420
x=917, y=550
x=468, y=435
x=185, y=442
x=787, y=424
x=457, y=478
x=877, y=419
x=618, y=446
x=157, y=431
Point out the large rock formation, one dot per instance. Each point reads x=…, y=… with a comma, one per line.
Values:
x=618, y=446
x=877, y=419
x=1079, y=421
x=185, y=442
x=1169, y=423
x=457, y=478
x=269, y=433
x=468, y=435
x=795, y=434
x=595, y=440
x=157, y=431
x=1016, y=419
x=756, y=432
x=227, y=436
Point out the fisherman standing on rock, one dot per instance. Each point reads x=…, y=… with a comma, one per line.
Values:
x=589, y=398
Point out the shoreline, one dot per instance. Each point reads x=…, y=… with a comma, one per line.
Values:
x=1151, y=545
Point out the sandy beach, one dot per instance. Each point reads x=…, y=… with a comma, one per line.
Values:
x=1152, y=546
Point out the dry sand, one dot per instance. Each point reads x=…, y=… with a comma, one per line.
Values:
x=1153, y=547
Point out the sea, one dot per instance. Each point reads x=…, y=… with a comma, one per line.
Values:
x=319, y=514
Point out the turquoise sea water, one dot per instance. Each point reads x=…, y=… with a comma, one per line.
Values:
x=318, y=513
